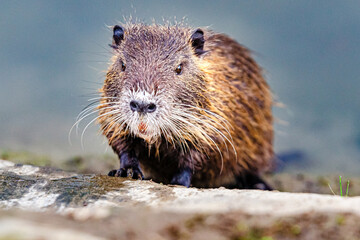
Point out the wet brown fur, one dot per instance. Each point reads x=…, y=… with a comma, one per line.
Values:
x=227, y=89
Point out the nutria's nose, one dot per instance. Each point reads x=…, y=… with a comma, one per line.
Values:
x=142, y=107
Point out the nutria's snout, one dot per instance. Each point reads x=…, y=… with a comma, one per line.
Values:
x=142, y=107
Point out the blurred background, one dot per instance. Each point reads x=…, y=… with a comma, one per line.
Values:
x=53, y=55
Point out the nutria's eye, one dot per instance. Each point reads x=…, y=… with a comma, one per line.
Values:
x=123, y=67
x=178, y=69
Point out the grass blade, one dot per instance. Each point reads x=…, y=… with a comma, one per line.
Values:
x=341, y=194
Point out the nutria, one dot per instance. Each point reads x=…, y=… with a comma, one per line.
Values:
x=187, y=107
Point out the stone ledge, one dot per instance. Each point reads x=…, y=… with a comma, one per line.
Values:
x=89, y=198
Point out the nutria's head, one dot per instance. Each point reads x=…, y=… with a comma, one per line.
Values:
x=153, y=82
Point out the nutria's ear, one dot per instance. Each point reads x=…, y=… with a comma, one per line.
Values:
x=197, y=41
x=118, y=35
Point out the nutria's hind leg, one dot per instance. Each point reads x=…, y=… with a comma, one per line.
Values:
x=250, y=180
x=127, y=163
x=182, y=178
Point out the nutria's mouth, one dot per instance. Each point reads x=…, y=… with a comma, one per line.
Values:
x=142, y=128
x=144, y=133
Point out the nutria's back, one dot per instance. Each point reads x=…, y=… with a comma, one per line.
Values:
x=186, y=106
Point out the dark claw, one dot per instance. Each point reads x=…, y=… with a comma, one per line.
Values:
x=183, y=178
x=137, y=174
x=122, y=172
x=263, y=186
x=112, y=173
x=252, y=181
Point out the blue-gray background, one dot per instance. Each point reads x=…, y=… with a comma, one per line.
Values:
x=53, y=55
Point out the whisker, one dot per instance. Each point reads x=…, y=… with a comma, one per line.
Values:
x=222, y=119
x=95, y=100
x=118, y=119
x=207, y=111
x=101, y=97
x=102, y=115
x=177, y=134
x=82, y=115
x=212, y=120
x=203, y=135
x=214, y=128
x=99, y=107
x=186, y=115
x=87, y=111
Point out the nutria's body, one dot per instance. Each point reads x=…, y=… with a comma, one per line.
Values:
x=186, y=107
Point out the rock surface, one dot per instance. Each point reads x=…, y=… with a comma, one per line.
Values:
x=45, y=203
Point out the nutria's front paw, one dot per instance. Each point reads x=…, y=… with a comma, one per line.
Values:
x=118, y=173
x=129, y=166
x=250, y=180
x=134, y=172
x=182, y=178
x=122, y=172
